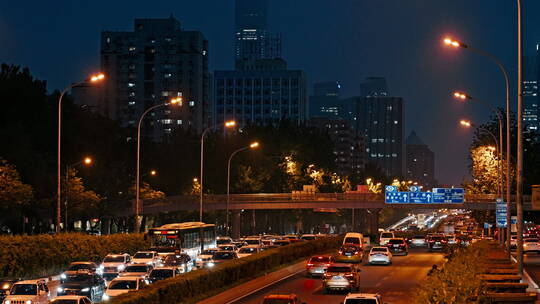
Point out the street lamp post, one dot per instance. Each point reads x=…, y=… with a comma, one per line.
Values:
x=251, y=146
x=138, y=208
x=86, y=161
x=227, y=124
x=458, y=44
x=519, y=165
x=497, y=112
x=92, y=79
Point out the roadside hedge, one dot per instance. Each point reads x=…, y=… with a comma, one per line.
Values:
x=457, y=281
x=42, y=255
x=189, y=288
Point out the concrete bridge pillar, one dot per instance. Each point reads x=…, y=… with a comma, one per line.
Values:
x=236, y=223
x=253, y=222
x=374, y=221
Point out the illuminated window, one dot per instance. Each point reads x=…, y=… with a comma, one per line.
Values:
x=131, y=84
x=132, y=48
x=192, y=103
x=166, y=121
x=179, y=122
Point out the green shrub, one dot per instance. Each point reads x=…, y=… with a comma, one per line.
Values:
x=41, y=255
x=457, y=282
x=189, y=287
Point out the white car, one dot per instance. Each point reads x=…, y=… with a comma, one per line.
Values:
x=380, y=255
x=204, y=257
x=364, y=298
x=308, y=237
x=123, y=285
x=71, y=300
x=227, y=247
x=29, y=291
x=113, y=264
x=220, y=240
x=385, y=237
x=146, y=257
x=253, y=241
x=531, y=245
x=136, y=270
x=248, y=250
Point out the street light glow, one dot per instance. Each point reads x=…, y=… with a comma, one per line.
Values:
x=87, y=160
x=177, y=100
x=97, y=77
x=153, y=172
x=254, y=145
x=230, y=123
x=454, y=43
x=465, y=123
x=460, y=95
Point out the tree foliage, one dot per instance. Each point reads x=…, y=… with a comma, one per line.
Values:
x=80, y=201
x=13, y=192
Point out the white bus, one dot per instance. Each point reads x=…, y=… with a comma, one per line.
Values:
x=190, y=238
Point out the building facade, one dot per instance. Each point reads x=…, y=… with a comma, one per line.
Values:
x=374, y=87
x=420, y=162
x=150, y=65
x=325, y=100
x=349, y=147
x=253, y=40
x=260, y=97
x=531, y=109
x=380, y=121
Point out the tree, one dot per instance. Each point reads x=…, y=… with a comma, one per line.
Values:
x=146, y=192
x=81, y=203
x=13, y=192
x=250, y=181
x=484, y=170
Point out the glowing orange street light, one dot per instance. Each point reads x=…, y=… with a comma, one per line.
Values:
x=461, y=96
x=230, y=123
x=454, y=43
x=466, y=123
x=254, y=145
x=153, y=172
x=177, y=100
x=87, y=160
x=97, y=77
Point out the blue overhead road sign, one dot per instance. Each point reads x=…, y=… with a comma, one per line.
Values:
x=421, y=197
x=396, y=197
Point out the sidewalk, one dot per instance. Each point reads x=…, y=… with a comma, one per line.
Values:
x=250, y=287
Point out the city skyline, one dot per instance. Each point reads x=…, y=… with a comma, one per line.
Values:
x=439, y=70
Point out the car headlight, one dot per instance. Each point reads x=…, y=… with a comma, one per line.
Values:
x=210, y=264
x=63, y=276
x=7, y=302
x=121, y=267
x=59, y=289
x=28, y=302
x=87, y=289
x=101, y=267
x=105, y=297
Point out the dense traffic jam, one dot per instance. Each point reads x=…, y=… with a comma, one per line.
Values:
x=86, y=282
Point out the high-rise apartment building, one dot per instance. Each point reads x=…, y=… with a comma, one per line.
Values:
x=150, y=65
x=349, y=147
x=420, y=162
x=253, y=41
x=325, y=100
x=380, y=121
x=374, y=87
x=531, y=109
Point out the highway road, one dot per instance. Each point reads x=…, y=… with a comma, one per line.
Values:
x=395, y=283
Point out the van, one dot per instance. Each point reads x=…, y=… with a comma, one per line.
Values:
x=354, y=238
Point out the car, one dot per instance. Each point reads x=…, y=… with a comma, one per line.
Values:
x=123, y=285
x=349, y=253
x=205, y=257
x=317, y=265
x=113, y=264
x=136, y=270
x=253, y=241
x=531, y=245
x=227, y=247
x=222, y=256
x=5, y=286
x=221, y=240
x=308, y=237
x=28, y=291
x=86, y=284
x=397, y=246
x=146, y=257
x=362, y=298
x=282, y=242
x=341, y=276
x=380, y=255
x=513, y=242
x=293, y=238
x=181, y=261
x=281, y=299
x=418, y=241
x=239, y=243
x=437, y=242
x=354, y=238
x=162, y=273
x=452, y=239
x=71, y=300
x=248, y=250
x=78, y=267
x=385, y=237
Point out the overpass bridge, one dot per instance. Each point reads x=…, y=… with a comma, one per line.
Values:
x=269, y=201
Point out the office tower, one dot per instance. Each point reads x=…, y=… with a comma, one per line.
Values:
x=531, y=110
x=349, y=148
x=374, y=87
x=148, y=66
x=420, y=162
x=325, y=100
x=261, y=97
x=380, y=121
x=253, y=40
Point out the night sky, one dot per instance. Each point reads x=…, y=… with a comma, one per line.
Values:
x=344, y=40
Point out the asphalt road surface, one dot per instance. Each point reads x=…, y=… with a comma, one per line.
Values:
x=395, y=283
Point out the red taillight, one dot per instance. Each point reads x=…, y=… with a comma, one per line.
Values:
x=309, y=264
x=327, y=265
x=349, y=275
